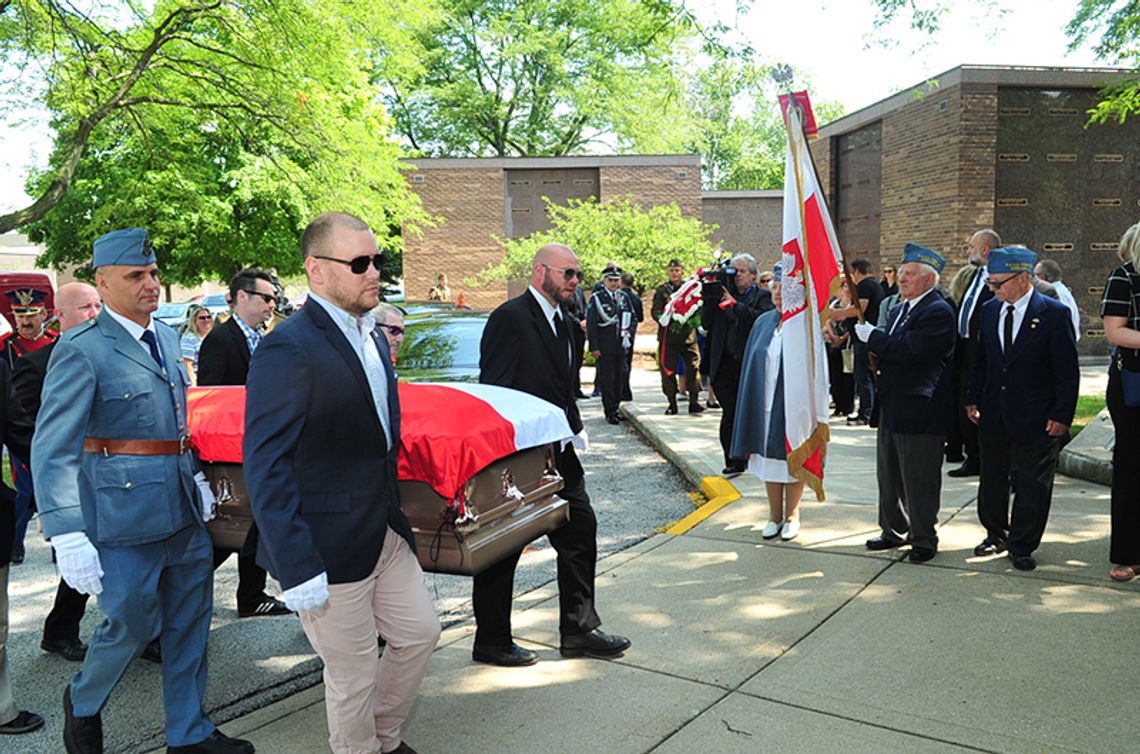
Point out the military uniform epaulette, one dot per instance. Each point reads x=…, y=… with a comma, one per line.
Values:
x=79, y=330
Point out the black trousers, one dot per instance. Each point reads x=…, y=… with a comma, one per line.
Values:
x=842, y=383
x=668, y=355
x=62, y=623
x=578, y=352
x=251, y=576
x=577, y=548
x=626, y=390
x=1032, y=466
x=611, y=378
x=910, y=485
x=1125, y=540
x=726, y=385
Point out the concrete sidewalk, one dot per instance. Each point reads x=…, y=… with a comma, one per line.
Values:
x=817, y=645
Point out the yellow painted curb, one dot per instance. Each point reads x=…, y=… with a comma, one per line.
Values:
x=720, y=493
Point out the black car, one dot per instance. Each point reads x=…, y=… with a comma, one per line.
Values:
x=442, y=346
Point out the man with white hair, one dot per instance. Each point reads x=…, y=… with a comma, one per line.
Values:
x=914, y=355
x=1050, y=272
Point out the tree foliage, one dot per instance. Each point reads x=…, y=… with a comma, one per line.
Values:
x=537, y=77
x=222, y=126
x=641, y=241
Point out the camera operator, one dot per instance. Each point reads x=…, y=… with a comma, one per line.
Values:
x=731, y=303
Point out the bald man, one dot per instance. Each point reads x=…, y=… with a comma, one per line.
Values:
x=526, y=346
x=75, y=303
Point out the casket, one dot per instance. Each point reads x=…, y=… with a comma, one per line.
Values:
x=477, y=472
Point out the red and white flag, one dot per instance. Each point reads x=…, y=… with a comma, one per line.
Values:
x=812, y=265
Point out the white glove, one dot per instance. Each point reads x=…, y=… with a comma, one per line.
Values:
x=311, y=594
x=209, y=502
x=863, y=331
x=580, y=441
x=78, y=562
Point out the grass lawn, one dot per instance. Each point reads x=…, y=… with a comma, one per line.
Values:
x=1088, y=406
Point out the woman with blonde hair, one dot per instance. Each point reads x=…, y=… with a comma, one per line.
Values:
x=199, y=322
x=1120, y=310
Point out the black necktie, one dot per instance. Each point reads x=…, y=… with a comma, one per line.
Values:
x=152, y=344
x=902, y=315
x=562, y=333
x=1007, y=331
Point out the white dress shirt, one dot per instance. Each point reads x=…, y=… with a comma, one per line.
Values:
x=1019, y=308
x=135, y=329
x=1068, y=300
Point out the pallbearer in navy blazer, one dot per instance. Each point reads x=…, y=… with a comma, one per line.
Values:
x=322, y=432
x=1022, y=395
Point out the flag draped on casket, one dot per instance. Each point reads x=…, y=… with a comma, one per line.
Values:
x=812, y=264
x=448, y=433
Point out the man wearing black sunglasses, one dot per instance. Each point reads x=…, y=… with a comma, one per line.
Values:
x=526, y=346
x=224, y=360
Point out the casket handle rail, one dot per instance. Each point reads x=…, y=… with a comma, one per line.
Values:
x=223, y=495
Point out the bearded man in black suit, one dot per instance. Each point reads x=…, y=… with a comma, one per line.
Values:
x=526, y=346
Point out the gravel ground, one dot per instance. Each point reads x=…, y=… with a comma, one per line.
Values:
x=257, y=661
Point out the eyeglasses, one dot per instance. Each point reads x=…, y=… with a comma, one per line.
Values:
x=995, y=284
x=264, y=297
x=395, y=330
x=204, y=317
x=567, y=272
x=359, y=265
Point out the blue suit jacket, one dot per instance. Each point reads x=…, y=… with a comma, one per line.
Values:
x=101, y=382
x=913, y=372
x=1042, y=378
x=319, y=471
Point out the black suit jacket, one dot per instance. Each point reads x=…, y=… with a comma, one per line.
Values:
x=728, y=328
x=914, y=385
x=28, y=379
x=16, y=434
x=321, y=476
x=224, y=356
x=520, y=351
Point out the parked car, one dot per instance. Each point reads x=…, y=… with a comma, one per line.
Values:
x=441, y=345
x=173, y=314
x=215, y=302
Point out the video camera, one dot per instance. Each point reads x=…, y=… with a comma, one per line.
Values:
x=721, y=273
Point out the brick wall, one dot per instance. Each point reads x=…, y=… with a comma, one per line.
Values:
x=653, y=186
x=471, y=205
x=977, y=163
x=747, y=224
x=920, y=176
x=821, y=153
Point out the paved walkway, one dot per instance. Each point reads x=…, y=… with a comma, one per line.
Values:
x=817, y=645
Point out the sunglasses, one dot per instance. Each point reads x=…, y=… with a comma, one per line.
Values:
x=204, y=317
x=995, y=284
x=359, y=265
x=568, y=273
x=264, y=297
x=394, y=330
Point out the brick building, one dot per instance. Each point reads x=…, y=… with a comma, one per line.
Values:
x=484, y=199
x=981, y=146
x=747, y=221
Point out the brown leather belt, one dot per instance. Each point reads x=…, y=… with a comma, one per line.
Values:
x=136, y=447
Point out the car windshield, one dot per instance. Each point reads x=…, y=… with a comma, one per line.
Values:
x=171, y=310
x=442, y=343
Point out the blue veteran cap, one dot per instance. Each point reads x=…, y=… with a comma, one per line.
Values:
x=130, y=247
x=1011, y=259
x=912, y=252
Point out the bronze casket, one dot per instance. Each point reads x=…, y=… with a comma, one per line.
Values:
x=507, y=504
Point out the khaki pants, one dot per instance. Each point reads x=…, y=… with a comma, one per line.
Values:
x=368, y=698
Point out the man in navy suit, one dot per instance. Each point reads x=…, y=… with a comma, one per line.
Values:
x=914, y=354
x=322, y=429
x=1022, y=395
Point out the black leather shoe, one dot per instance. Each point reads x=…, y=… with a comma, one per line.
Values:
x=217, y=743
x=612, y=420
x=884, y=543
x=583, y=396
x=152, y=652
x=81, y=735
x=596, y=643
x=989, y=547
x=512, y=656
x=403, y=748
x=267, y=606
x=965, y=470
x=732, y=470
x=68, y=649
x=696, y=408
x=24, y=722
x=671, y=411
x=17, y=555
x=1023, y=562
x=921, y=554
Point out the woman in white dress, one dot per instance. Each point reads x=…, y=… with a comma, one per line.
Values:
x=759, y=431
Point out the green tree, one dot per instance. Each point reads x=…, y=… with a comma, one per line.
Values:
x=1113, y=26
x=641, y=240
x=538, y=77
x=221, y=125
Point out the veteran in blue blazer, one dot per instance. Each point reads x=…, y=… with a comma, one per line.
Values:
x=1022, y=394
x=120, y=502
x=914, y=355
x=322, y=432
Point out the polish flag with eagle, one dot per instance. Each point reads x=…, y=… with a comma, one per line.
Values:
x=812, y=270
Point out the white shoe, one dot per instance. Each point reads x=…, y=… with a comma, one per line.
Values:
x=790, y=530
x=771, y=530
